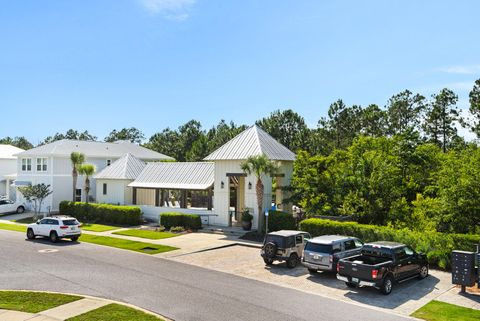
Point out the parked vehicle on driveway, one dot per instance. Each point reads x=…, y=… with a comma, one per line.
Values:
x=8, y=206
x=323, y=252
x=284, y=245
x=381, y=264
x=55, y=228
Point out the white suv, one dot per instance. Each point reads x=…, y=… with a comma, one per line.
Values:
x=55, y=228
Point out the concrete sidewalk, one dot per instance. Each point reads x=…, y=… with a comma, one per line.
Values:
x=64, y=312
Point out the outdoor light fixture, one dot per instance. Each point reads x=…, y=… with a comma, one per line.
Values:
x=249, y=185
x=222, y=184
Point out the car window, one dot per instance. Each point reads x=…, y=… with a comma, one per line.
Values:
x=290, y=241
x=44, y=221
x=70, y=222
x=319, y=248
x=358, y=243
x=52, y=222
x=350, y=245
x=400, y=253
x=298, y=239
x=409, y=251
x=3, y=202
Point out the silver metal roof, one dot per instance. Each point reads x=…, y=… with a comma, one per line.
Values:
x=170, y=175
x=127, y=167
x=64, y=147
x=8, y=151
x=253, y=141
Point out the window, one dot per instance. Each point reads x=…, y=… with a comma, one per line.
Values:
x=44, y=221
x=298, y=239
x=78, y=195
x=52, y=222
x=70, y=222
x=26, y=164
x=109, y=162
x=42, y=164
x=408, y=251
x=319, y=248
x=400, y=253
x=104, y=188
x=350, y=245
x=358, y=243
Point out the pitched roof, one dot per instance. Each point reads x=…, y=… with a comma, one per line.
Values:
x=171, y=175
x=127, y=167
x=8, y=151
x=253, y=141
x=65, y=147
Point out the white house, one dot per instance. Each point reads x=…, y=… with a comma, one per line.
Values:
x=50, y=164
x=217, y=188
x=8, y=169
x=113, y=180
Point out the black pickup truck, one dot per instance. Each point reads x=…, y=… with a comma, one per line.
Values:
x=380, y=264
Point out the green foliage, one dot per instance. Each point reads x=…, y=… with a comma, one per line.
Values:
x=20, y=142
x=188, y=221
x=70, y=134
x=33, y=302
x=131, y=134
x=437, y=246
x=177, y=229
x=102, y=213
x=35, y=194
x=115, y=312
x=278, y=220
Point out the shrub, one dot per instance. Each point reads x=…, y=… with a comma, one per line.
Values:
x=177, y=229
x=189, y=221
x=278, y=220
x=437, y=246
x=102, y=213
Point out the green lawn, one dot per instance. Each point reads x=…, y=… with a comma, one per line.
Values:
x=13, y=227
x=146, y=234
x=33, y=302
x=441, y=311
x=141, y=247
x=26, y=220
x=98, y=227
x=115, y=312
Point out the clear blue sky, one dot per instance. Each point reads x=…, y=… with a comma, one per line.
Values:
x=104, y=64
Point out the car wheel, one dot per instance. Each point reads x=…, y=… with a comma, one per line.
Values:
x=30, y=234
x=312, y=271
x=292, y=261
x=20, y=209
x=423, y=272
x=53, y=237
x=351, y=285
x=387, y=285
x=74, y=238
x=268, y=261
x=270, y=250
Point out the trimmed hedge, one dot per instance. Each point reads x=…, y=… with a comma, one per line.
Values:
x=437, y=246
x=102, y=213
x=278, y=220
x=188, y=221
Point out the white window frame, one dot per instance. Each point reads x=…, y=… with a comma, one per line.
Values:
x=42, y=164
x=26, y=164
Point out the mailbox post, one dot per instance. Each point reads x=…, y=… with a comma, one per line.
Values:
x=463, y=268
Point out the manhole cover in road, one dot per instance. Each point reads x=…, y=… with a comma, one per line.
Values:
x=47, y=251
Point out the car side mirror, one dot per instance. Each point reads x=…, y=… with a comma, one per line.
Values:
x=38, y=222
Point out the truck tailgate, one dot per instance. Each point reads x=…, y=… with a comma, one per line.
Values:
x=358, y=269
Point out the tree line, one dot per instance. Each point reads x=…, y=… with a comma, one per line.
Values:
x=402, y=164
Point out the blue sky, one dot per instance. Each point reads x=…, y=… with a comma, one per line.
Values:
x=105, y=64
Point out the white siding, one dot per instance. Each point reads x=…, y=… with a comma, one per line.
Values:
x=118, y=191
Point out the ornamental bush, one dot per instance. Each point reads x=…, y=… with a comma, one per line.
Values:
x=102, y=213
x=437, y=246
x=188, y=221
x=278, y=220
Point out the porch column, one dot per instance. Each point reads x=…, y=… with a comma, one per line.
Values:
x=134, y=196
x=157, y=197
x=7, y=188
x=183, y=201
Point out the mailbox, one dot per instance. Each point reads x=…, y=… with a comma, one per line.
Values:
x=463, y=268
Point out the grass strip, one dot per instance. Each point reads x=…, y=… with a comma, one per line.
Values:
x=33, y=302
x=13, y=227
x=26, y=220
x=98, y=227
x=441, y=311
x=141, y=247
x=146, y=234
x=115, y=312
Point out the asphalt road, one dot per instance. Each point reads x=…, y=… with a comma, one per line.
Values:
x=175, y=290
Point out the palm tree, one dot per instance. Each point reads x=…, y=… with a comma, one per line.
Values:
x=87, y=170
x=77, y=159
x=259, y=165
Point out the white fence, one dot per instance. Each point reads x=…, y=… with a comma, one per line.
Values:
x=152, y=213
